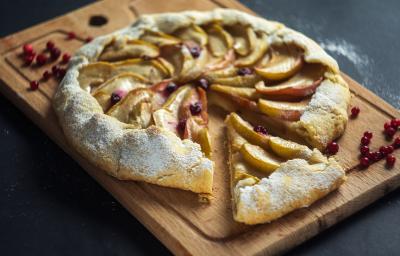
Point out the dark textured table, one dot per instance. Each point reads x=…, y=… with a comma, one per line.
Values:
x=50, y=206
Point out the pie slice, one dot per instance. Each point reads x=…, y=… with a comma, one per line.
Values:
x=135, y=103
x=271, y=177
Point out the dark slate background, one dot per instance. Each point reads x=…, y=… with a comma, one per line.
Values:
x=50, y=206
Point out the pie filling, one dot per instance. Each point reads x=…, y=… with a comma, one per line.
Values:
x=165, y=79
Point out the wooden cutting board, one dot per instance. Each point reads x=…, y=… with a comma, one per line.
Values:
x=175, y=217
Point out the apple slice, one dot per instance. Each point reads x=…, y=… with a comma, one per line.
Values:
x=185, y=66
x=199, y=134
x=219, y=41
x=259, y=158
x=128, y=50
x=104, y=100
x=302, y=84
x=257, y=52
x=285, y=62
x=289, y=111
x=238, y=81
x=94, y=74
x=192, y=33
x=231, y=100
x=158, y=38
x=218, y=63
x=134, y=108
x=245, y=130
x=152, y=70
x=167, y=117
x=123, y=83
x=288, y=149
x=244, y=92
x=244, y=39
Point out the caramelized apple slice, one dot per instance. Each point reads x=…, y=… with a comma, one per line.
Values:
x=199, y=134
x=288, y=149
x=245, y=92
x=124, y=81
x=104, y=100
x=302, y=84
x=158, y=38
x=94, y=74
x=257, y=52
x=192, y=33
x=167, y=116
x=290, y=111
x=232, y=76
x=185, y=66
x=122, y=84
x=238, y=81
x=219, y=41
x=244, y=39
x=152, y=70
x=259, y=158
x=218, y=63
x=245, y=130
x=128, y=50
x=134, y=108
x=284, y=63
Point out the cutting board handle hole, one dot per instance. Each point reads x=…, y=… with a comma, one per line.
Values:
x=98, y=20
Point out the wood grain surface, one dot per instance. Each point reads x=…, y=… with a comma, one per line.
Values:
x=176, y=217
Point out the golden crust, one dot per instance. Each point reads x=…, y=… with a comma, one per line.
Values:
x=293, y=185
x=113, y=145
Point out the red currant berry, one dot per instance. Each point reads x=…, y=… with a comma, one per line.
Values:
x=29, y=59
x=171, y=87
x=46, y=75
x=203, y=83
x=368, y=134
x=88, y=39
x=390, y=131
x=244, y=71
x=394, y=123
x=66, y=57
x=61, y=73
x=260, y=129
x=195, y=108
x=41, y=59
x=71, y=35
x=355, y=111
x=27, y=49
x=396, y=143
x=50, y=45
x=364, y=150
x=55, y=69
x=390, y=160
x=364, y=162
x=55, y=53
x=34, y=85
x=365, y=140
x=332, y=148
x=387, y=125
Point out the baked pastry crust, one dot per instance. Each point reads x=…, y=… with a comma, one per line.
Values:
x=158, y=156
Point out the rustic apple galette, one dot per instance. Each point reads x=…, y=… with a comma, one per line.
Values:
x=135, y=103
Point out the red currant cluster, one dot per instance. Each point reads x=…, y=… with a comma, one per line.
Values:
x=391, y=127
x=368, y=157
x=50, y=54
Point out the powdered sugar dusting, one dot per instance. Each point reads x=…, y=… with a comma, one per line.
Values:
x=347, y=50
